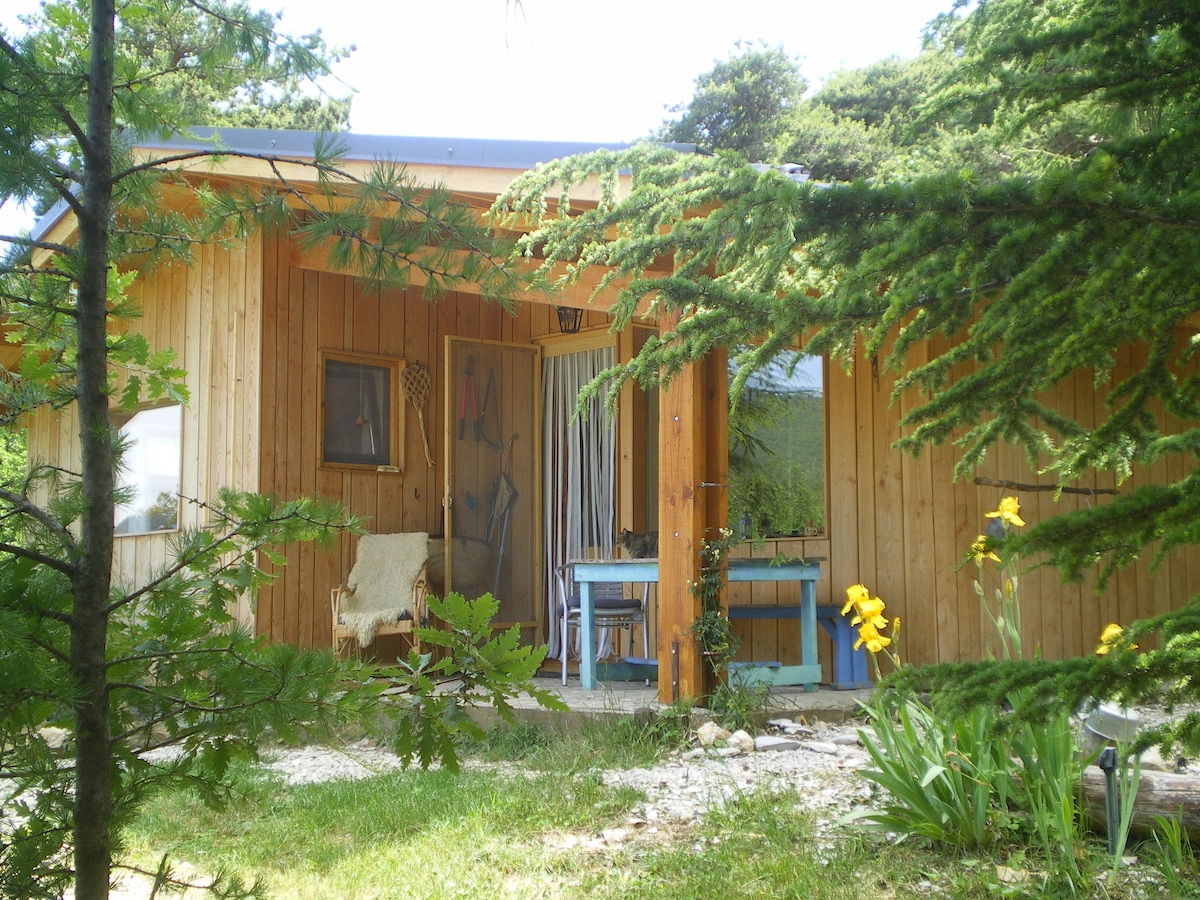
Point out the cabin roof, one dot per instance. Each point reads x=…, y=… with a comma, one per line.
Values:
x=442, y=151
x=478, y=153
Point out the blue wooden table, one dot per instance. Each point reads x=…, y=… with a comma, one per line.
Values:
x=639, y=571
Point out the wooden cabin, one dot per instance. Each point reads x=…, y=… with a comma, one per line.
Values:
x=295, y=375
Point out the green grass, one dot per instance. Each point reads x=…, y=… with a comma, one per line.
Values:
x=617, y=742
x=406, y=834
x=535, y=830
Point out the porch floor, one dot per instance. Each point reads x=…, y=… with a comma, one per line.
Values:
x=624, y=698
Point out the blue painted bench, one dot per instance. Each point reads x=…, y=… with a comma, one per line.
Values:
x=849, y=665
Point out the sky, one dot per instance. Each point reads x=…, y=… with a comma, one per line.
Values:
x=578, y=70
x=566, y=70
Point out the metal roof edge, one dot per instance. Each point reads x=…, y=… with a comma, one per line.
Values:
x=444, y=151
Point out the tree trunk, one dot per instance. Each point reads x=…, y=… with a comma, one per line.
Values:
x=93, y=565
x=1159, y=794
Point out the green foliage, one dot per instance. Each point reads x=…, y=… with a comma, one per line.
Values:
x=776, y=460
x=736, y=704
x=954, y=782
x=945, y=782
x=184, y=50
x=742, y=104
x=178, y=672
x=484, y=667
x=401, y=833
x=433, y=834
x=711, y=629
x=833, y=147
x=1174, y=858
x=175, y=65
x=588, y=744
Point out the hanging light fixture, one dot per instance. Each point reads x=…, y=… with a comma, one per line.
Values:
x=569, y=319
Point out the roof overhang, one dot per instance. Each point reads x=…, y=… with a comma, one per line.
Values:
x=476, y=169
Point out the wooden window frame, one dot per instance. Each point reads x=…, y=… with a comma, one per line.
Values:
x=393, y=460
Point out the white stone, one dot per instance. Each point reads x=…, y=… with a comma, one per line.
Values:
x=741, y=740
x=820, y=747
x=711, y=733
x=55, y=738
x=766, y=742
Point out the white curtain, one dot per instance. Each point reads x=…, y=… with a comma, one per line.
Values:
x=579, y=477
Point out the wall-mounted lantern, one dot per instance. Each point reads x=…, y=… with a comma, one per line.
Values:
x=569, y=319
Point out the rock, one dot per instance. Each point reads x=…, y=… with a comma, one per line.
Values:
x=820, y=747
x=55, y=738
x=798, y=730
x=766, y=743
x=710, y=734
x=1153, y=761
x=741, y=740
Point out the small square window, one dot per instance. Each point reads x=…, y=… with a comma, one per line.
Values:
x=150, y=471
x=361, y=414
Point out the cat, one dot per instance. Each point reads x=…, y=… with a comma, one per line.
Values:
x=639, y=546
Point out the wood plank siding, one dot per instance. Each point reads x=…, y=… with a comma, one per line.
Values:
x=902, y=525
x=307, y=312
x=210, y=314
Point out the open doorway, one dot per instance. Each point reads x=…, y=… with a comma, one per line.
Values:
x=579, y=474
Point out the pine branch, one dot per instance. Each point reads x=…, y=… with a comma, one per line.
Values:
x=1062, y=489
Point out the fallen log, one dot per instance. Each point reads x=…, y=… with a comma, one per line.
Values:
x=1159, y=794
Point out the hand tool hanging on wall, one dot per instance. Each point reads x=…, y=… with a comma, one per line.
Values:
x=468, y=390
x=487, y=393
x=415, y=383
x=504, y=495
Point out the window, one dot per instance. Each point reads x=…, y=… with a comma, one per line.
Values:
x=149, y=477
x=777, y=449
x=361, y=420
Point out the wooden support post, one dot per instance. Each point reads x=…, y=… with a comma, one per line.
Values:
x=693, y=469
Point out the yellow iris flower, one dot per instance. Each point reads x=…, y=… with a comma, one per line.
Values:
x=1109, y=637
x=871, y=638
x=855, y=594
x=1009, y=512
x=980, y=551
x=870, y=612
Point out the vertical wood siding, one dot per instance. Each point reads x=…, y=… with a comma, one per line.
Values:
x=306, y=312
x=210, y=314
x=901, y=525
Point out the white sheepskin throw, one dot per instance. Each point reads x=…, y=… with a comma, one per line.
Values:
x=380, y=586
